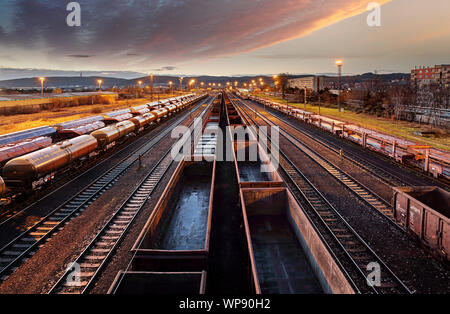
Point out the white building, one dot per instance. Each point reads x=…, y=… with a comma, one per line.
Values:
x=314, y=83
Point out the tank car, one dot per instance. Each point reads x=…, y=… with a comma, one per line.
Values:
x=2, y=187
x=69, y=125
x=107, y=137
x=160, y=113
x=80, y=130
x=42, y=164
x=150, y=117
x=140, y=110
x=171, y=108
x=44, y=131
x=140, y=122
x=11, y=151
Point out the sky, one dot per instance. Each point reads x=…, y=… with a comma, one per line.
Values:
x=223, y=37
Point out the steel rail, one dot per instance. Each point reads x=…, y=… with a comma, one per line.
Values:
x=358, y=252
x=23, y=246
x=95, y=256
x=365, y=163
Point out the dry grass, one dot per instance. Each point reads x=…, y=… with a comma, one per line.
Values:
x=401, y=129
x=19, y=122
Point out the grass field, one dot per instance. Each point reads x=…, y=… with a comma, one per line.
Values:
x=402, y=129
x=19, y=122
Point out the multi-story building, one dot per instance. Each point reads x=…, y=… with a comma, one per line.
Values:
x=439, y=74
x=314, y=83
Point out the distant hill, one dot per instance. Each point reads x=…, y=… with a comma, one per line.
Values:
x=64, y=82
x=108, y=82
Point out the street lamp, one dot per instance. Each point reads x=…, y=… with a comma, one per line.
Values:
x=42, y=79
x=151, y=85
x=192, y=82
x=99, y=85
x=140, y=84
x=275, y=82
x=339, y=64
x=170, y=86
x=181, y=84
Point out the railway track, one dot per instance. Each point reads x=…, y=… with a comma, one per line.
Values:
x=389, y=175
x=8, y=214
x=340, y=237
x=26, y=244
x=81, y=274
x=360, y=190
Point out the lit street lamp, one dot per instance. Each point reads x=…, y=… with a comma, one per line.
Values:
x=275, y=82
x=42, y=79
x=140, y=84
x=170, y=86
x=99, y=85
x=181, y=84
x=151, y=85
x=192, y=83
x=339, y=64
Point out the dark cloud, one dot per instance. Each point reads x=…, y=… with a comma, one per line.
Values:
x=81, y=56
x=167, y=68
x=140, y=33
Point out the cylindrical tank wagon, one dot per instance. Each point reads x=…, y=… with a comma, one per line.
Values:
x=11, y=151
x=24, y=170
x=2, y=187
x=109, y=135
x=32, y=170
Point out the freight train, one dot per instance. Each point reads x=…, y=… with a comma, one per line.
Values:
x=84, y=139
x=430, y=160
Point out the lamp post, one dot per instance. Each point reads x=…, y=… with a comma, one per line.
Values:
x=275, y=83
x=42, y=79
x=140, y=84
x=151, y=86
x=192, y=83
x=99, y=85
x=181, y=84
x=339, y=64
x=170, y=87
